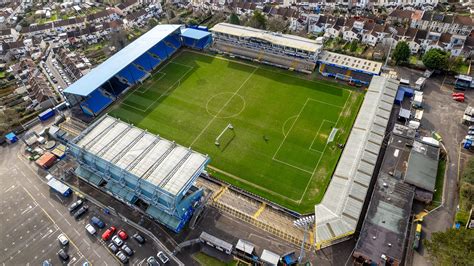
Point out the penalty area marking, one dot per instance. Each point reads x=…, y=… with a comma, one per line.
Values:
x=317, y=134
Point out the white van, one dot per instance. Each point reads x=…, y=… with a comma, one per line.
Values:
x=90, y=229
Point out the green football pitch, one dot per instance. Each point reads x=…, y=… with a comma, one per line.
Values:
x=287, y=127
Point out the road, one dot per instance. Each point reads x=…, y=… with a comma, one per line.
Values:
x=37, y=215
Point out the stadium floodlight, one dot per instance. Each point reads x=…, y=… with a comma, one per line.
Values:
x=304, y=223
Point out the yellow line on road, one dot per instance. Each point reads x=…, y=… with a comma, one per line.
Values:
x=222, y=191
x=260, y=210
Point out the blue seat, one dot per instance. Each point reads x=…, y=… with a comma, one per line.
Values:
x=97, y=101
x=160, y=50
x=143, y=62
x=132, y=74
x=153, y=61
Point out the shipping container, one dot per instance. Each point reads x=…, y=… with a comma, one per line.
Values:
x=46, y=160
x=47, y=114
x=59, y=187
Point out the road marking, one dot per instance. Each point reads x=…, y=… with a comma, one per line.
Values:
x=59, y=212
x=35, y=187
x=10, y=188
x=86, y=242
x=77, y=232
x=42, y=195
x=51, y=204
x=97, y=254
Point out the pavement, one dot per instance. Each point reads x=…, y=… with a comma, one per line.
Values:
x=32, y=216
x=444, y=115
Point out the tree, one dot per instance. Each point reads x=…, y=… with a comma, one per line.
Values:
x=152, y=22
x=353, y=46
x=436, y=59
x=119, y=39
x=455, y=63
x=452, y=247
x=234, y=19
x=258, y=20
x=401, y=52
x=277, y=24
x=192, y=21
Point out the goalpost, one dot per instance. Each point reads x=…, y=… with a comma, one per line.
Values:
x=228, y=127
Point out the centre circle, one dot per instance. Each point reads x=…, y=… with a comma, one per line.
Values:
x=219, y=104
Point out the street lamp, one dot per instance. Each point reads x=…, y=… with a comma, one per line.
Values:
x=304, y=223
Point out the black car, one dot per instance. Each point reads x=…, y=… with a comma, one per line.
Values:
x=75, y=205
x=81, y=211
x=63, y=255
x=151, y=261
x=139, y=238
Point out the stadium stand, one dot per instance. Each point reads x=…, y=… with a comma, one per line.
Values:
x=338, y=213
x=96, y=102
x=126, y=68
x=132, y=74
x=196, y=39
x=348, y=68
x=136, y=166
x=282, y=50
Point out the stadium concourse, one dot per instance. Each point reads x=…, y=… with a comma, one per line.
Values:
x=130, y=66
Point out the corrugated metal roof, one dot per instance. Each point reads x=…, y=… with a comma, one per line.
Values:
x=161, y=162
x=194, y=34
x=103, y=72
x=338, y=213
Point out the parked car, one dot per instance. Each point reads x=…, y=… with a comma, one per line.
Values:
x=127, y=250
x=138, y=238
x=151, y=261
x=161, y=255
x=63, y=239
x=117, y=241
x=459, y=99
x=90, y=229
x=81, y=211
x=63, y=255
x=122, y=234
x=108, y=233
x=113, y=247
x=97, y=222
x=458, y=94
x=122, y=257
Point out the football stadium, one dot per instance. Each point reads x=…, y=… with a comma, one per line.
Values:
x=250, y=109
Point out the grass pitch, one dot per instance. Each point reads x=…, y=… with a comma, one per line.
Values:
x=278, y=148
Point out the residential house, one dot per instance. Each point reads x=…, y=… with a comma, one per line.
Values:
x=468, y=49
x=421, y=39
x=128, y=6
x=400, y=16
x=335, y=30
x=103, y=16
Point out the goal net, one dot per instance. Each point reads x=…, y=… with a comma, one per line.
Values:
x=225, y=137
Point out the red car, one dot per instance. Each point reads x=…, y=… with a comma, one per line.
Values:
x=458, y=94
x=108, y=233
x=459, y=99
x=122, y=234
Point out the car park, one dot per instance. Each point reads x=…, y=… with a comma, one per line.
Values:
x=117, y=241
x=138, y=238
x=122, y=257
x=81, y=211
x=108, y=233
x=151, y=261
x=63, y=239
x=63, y=255
x=97, y=222
x=163, y=258
x=113, y=247
x=127, y=250
x=90, y=229
x=122, y=234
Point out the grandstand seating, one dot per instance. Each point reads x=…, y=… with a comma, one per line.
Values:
x=361, y=77
x=97, y=101
x=265, y=57
x=152, y=60
x=114, y=86
x=345, y=74
x=144, y=63
x=132, y=74
x=159, y=50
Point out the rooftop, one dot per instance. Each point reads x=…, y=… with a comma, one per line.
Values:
x=351, y=62
x=385, y=226
x=103, y=72
x=148, y=157
x=338, y=213
x=422, y=166
x=272, y=37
